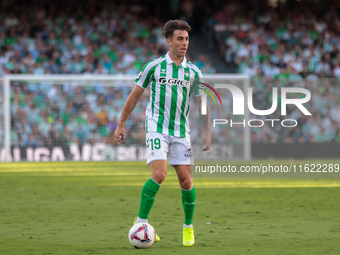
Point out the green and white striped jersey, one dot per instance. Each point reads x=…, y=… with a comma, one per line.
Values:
x=168, y=109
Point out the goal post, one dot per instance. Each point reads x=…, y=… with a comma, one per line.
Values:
x=2, y=106
x=44, y=86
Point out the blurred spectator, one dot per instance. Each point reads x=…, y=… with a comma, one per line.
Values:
x=31, y=141
x=103, y=119
x=80, y=133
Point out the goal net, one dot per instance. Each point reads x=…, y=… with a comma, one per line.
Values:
x=73, y=118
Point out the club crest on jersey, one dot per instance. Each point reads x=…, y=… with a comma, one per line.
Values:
x=187, y=74
x=172, y=81
x=139, y=75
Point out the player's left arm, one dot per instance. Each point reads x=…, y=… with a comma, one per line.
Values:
x=205, y=120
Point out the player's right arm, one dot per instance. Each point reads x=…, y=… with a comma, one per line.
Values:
x=142, y=81
x=129, y=106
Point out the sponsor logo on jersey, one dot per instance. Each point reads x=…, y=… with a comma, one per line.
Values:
x=162, y=80
x=139, y=75
x=163, y=70
x=172, y=81
x=188, y=153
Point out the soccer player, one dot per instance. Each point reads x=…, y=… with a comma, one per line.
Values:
x=170, y=78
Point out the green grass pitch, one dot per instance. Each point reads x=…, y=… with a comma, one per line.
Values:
x=88, y=208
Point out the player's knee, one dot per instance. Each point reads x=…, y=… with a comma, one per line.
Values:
x=187, y=183
x=159, y=177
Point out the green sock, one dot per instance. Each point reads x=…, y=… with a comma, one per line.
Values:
x=149, y=192
x=188, y=201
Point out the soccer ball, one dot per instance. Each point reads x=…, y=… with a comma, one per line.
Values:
x=142, y=236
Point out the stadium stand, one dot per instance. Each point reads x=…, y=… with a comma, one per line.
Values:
x=290, y=45
x=118, y=39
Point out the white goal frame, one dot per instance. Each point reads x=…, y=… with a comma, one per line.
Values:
x=7, y=79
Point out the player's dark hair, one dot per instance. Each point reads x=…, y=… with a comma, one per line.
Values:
x=173, y=25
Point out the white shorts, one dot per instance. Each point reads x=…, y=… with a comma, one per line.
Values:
x=176, y=150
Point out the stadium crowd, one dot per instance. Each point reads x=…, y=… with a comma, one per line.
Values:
x=295, y=39
x=295, y=43
x=119, y=39
x=86, y=38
